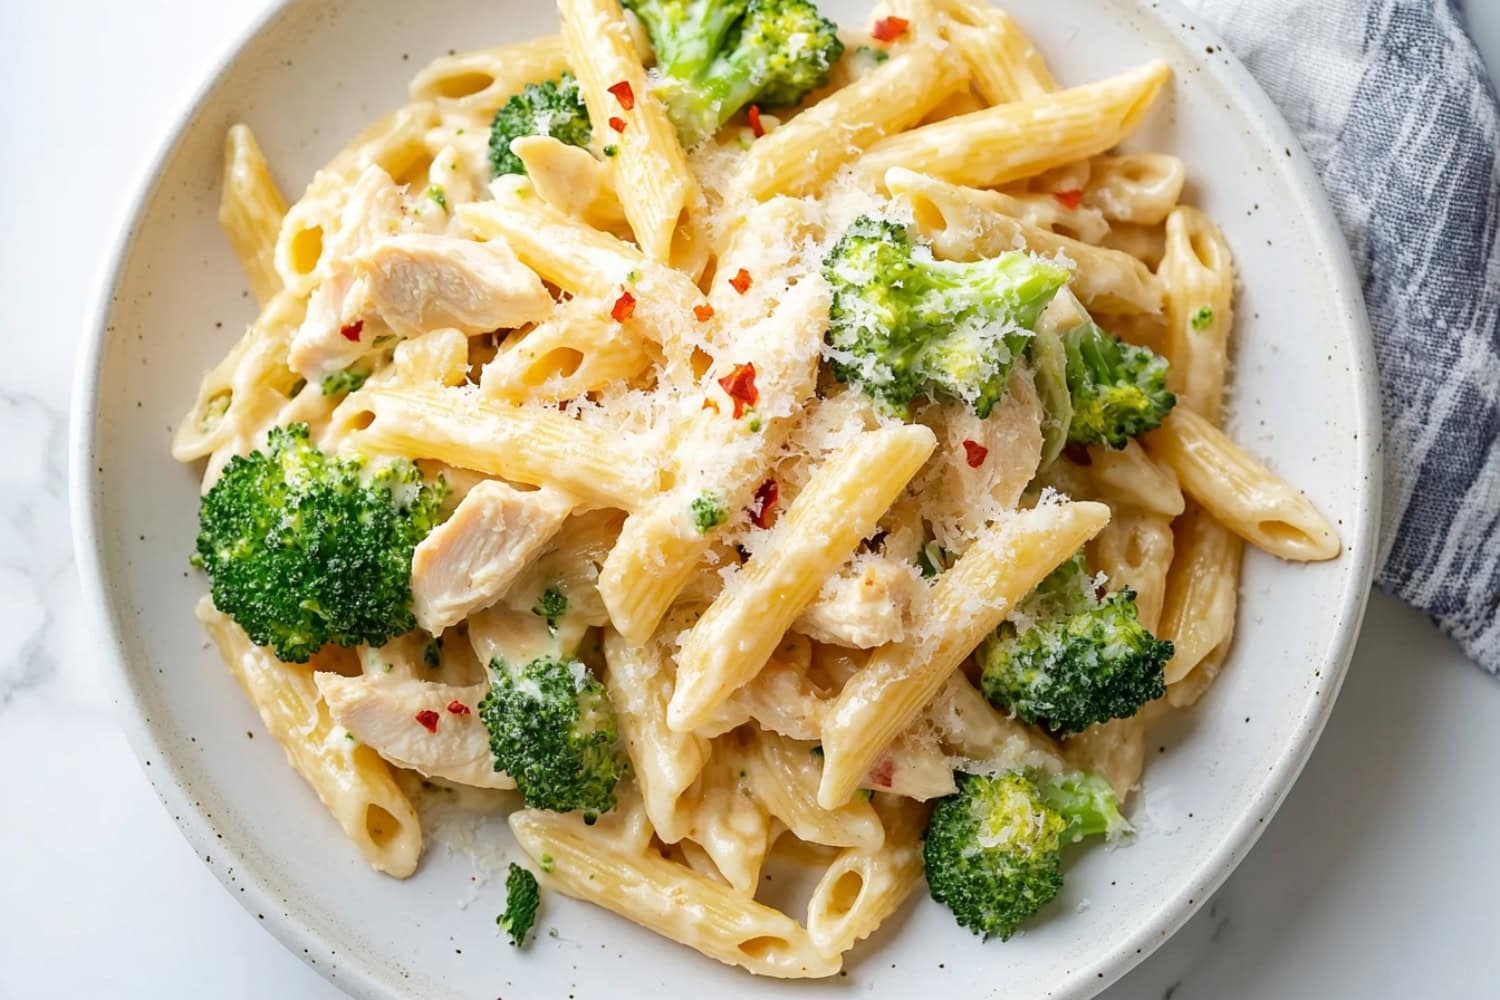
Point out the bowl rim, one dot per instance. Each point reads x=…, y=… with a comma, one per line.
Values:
x=284, y=920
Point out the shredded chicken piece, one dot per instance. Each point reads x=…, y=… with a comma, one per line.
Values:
x=381, y=278
x=381, y=711
x=864, y=606
x=417, y=282
x=469, y=560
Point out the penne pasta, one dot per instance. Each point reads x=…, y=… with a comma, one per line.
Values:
x=1202, y=592
x=864, y=886
x=1198, y=278
x=475, y=84
x=1022, y=138
x=658, y=191
x=669, y=898
x=251, y=210
x=970, y=600
x=1003, y=63
x=839, y=506
x=666, y=763
x=1138, y=188
x=1240, y=492
x=811, y=148
x=459, y=427
x=350, y=779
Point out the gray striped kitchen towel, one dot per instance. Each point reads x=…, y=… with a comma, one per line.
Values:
x=1392, y=102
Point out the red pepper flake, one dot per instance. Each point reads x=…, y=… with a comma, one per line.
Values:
x=741, y=281
x=427, y=719
x=976, y=453
x=739, y=385
x=457, y=707
x=755, y=125
x=765, y=502
x=351, y=331
x=703, y=313
x=617, y=123
x=1069, y=199
x=888, y=29
x=623, y=94
x=624, y=307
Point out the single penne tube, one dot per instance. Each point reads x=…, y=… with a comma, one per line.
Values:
x=811, y=147
x=1129, y=476
x=1185, y=692
x=478, y=82
x=350, y=779
x=251, y=210
x=527, y=444
x=968, y=602
x=668, y=898
x=782, y=775
x=577, y=350
x=1004, y=65
x=1020, y=139
x=1135, y=550
x=572, y=180
x=1137, y=188
x=1197, y=275
x=657, y=189
x=1203, y=586
x=840, y=505
x=731, y=826
x=966, y=223
x=866, y=885
x=665, y=763
x=1240, y=492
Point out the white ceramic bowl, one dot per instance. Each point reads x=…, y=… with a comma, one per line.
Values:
x=311, y=75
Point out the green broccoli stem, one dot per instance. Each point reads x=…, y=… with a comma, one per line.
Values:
x=1020, y=285
x=1084, y=800
x=1093, y=355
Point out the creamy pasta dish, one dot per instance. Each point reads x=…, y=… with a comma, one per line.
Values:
x=725, y=434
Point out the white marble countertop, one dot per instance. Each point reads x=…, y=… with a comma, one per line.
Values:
x=1377, y=879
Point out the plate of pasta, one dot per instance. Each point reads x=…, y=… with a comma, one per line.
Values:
x=767, y=495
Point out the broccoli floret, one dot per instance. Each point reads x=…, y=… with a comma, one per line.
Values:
x=521, y=900
x=554, y=107
x=904, y=324
x=1118, y=390
x=552, y=729
x=305, y=549
x=993, y=850
x=1078, y=660
x=714, y=57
